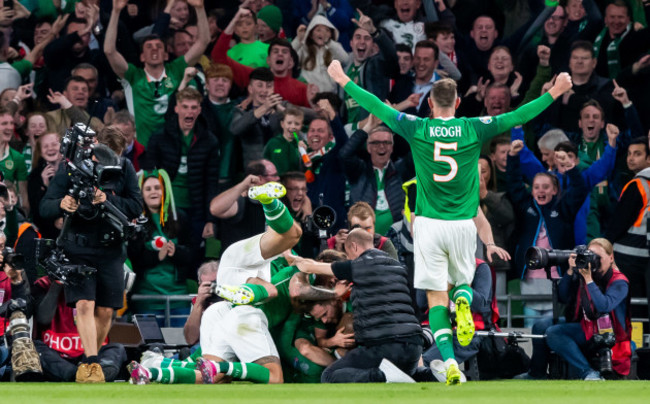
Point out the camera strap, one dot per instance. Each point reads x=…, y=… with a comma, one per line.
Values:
x=584, y=302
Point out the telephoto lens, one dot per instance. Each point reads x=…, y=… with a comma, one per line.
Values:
x=25, y=361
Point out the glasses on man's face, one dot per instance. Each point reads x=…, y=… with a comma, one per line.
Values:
x=381, y=143
x=157, y=85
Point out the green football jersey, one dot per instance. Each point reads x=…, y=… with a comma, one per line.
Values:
x=278, y=309
x=446, y=151
x=148, y=100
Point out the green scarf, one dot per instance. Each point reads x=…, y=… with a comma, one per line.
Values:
x=613, y=57
x=167, y=203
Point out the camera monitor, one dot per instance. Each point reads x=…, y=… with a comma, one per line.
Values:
x=149, y=328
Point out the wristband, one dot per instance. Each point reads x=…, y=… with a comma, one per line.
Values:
x=490, y=244
x=551, y=3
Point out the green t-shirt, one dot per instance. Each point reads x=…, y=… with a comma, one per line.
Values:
x=446, y=151
x=148, y=99
x=161, y=279
x=13, y=166
x=278, y=309
x=180, y=185
x=250, y=54
x=284, y=155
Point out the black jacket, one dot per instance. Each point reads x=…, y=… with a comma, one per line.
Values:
x=164, y=151
x=124, y=194
x=380, y=298
x=36, y=190
x=361, y=175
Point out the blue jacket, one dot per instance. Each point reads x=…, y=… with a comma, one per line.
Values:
x=599, y=171
x=558, y=215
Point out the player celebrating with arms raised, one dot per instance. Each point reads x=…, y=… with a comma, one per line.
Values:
x=445, y=151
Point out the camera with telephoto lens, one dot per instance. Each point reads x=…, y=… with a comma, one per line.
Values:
x=538, y=258
x=10, y=257
x=600, y=346
x=25, y=361
x=321, y=221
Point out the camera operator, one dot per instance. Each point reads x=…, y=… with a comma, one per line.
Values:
x=90, y=241
x=597, y=303
x=12, y=286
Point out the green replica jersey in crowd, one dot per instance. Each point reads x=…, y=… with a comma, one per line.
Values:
x=446, y=151
x=148, y=99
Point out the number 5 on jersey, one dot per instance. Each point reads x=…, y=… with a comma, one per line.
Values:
x=438, y=157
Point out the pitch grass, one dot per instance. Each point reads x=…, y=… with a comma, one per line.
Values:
x=510, y=391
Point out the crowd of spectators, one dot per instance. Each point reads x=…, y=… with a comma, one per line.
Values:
x=215, y=96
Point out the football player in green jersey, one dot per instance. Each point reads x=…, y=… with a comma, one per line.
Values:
x=445, y=151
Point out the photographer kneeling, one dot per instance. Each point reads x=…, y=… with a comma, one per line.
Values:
x=12, y=286
x=93, y=240
x=596, y=294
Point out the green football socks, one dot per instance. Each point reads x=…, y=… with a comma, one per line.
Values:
x=173, y=375
x=442, y=334
x=244, y=371
x=277, y=216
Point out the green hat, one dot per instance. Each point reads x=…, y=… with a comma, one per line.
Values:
x=272, y=16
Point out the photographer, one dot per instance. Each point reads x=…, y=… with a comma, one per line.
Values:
x=597, y=303
x=12, y=286
x=91, y=240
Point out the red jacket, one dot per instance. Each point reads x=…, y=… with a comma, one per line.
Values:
x=134, y=154
x=289, y=88
x=5, y=296
x=622, y=351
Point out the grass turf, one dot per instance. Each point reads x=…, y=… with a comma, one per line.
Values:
x=558, y=392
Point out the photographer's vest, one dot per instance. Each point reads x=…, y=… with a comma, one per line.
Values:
x=479, y=318
x=622, y=350
x=61, y=334
x=5, y=296
x=635, y=242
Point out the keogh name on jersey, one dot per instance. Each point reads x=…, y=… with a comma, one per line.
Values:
x=441, y=131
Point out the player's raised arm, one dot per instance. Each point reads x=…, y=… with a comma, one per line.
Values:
x=389, y=116
x=530, y=110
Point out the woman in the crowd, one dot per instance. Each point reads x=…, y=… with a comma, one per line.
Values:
x=545, y=220
x=46, y=159
x=36, y=126
x=160, y=256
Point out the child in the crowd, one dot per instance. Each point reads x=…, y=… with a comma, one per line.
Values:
x=282, y=150
x=249, y=51
x=317, y=47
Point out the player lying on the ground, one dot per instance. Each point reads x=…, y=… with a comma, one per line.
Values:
x=446, y=151
x=226, y=350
